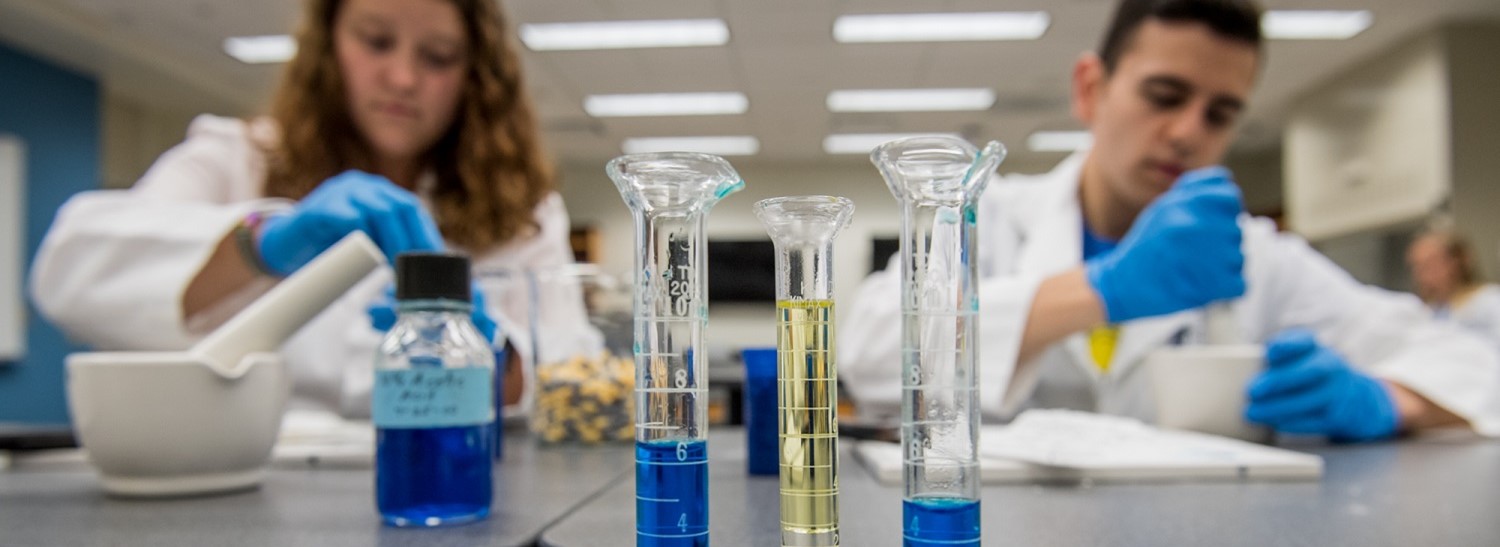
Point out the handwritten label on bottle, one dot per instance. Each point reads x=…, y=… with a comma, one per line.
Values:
x=432, y=397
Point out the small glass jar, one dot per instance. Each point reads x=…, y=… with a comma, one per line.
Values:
x=433, y=400
x=585, y=372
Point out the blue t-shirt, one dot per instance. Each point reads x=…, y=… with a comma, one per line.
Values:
x=1094, y=244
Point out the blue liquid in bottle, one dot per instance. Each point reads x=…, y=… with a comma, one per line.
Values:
x=434, y=477
x=940, y=522
x=671, y=493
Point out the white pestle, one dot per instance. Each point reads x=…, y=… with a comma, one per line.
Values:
x=267, y=323
x=1221, y=327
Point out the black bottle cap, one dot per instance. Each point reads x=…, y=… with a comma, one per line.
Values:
x=432, y=276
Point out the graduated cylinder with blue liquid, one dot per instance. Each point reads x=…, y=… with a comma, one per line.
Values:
x=670, y=195
x=938, y=181
x=433, y=400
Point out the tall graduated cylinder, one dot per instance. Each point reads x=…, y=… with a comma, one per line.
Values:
x=670, y=195
x=803, y=229
x=938, y=181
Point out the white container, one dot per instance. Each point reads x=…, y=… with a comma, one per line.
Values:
x=1202, y=388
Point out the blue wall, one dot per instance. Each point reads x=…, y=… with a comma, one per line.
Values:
x=56, y=112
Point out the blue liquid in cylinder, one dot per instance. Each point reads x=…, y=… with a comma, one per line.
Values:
x=940, y=522
x=434, y=476
x=671, y=493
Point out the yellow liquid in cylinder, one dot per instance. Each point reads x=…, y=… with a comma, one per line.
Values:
x=807, y=397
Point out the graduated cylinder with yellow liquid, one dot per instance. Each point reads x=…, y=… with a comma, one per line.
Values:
x=803, y=229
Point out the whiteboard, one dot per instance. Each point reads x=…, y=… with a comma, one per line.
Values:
x=12, y=248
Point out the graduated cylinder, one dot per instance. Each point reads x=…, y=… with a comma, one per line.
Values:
x=938, y=181
x=803, y=229
x=670, y=195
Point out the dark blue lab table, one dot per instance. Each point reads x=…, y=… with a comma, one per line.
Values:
x=1441, y=490
x=326, y=507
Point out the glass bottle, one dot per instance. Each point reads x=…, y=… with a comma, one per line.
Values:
x=433, y=400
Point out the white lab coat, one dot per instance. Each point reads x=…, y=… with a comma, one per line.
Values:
x=112, y=268
x=1030, y=228
x=1479, y=314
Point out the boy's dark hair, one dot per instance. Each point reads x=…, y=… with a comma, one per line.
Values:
x=1234, y=19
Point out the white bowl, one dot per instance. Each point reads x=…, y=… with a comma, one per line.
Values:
x=161, y=424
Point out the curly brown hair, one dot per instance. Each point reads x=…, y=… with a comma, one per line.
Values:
x=490, y=167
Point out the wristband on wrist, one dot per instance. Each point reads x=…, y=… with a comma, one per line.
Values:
x=244, y=239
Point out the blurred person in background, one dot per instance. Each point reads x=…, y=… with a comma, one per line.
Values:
x=1446, y=276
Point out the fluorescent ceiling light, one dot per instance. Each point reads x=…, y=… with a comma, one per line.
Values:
x=941, y=27
x=261, y=49
x=721, y=146
x=625, y=34
x=665, y=104
x=909, y=100
x=1059, y=141
x=1314, y=25
x=863, y=143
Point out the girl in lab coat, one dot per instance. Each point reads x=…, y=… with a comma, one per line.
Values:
x=1087, y=269
x=405, y=119
x=1447, y=279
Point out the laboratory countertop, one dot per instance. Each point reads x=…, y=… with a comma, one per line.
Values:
x=1424, y=491
x=315, y=506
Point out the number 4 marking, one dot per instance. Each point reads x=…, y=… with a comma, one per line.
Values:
x=682, y=522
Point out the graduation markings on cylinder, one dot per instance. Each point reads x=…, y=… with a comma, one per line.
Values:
x=920, y=385
x=676, y=288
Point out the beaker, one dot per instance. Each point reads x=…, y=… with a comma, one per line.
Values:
x=803, y=229
x=670, y=195
x=938, y=181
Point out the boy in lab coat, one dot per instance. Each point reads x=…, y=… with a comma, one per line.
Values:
x=1087, y=269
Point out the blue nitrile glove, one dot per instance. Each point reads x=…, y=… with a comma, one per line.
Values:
x=1183, y=251
x=1308, y=389
x=353, y=200
x=383, y=312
